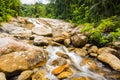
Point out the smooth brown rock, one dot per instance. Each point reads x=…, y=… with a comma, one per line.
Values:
x=2, y=76
x=19, y=55
x=42, y=31
x=67, y=42
x=117, y=45
x=63, y=55
x=11, y=45
x=39, y=75
x=54, y=43
x=21, y=20
x=81, y=78
x=93, y=49
x=60, y=69
x=110, y=59
x=79, y=40
x=93, y=54
x=59, y=39
x=106, y=50
x=92, y=65
x=25, y=75
x=59, y=62
x=81, y=52
x=65, y=74
x=21, y=33
x=41, y=41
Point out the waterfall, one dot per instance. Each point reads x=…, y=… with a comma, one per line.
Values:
x=83, y=70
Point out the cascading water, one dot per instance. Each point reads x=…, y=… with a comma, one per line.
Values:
x=82, y=70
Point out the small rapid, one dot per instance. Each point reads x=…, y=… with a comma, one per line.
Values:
x=82, y=71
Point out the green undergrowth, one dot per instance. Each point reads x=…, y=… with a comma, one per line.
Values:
x=104, y=32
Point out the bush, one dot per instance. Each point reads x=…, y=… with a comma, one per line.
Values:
x=115, y=35
x=97, y=38
x=107, y=25
x=88, y=27
x=108, y=30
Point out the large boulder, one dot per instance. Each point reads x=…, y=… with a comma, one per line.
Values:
x=106, y=50
x=41, y=41
x=16, y=31
x=110, y=59
x=19, y=55
x=42, y=31
x=21, y=33
x=9, y=27
x=79, y=40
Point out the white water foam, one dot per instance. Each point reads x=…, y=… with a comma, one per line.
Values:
x=83, y=70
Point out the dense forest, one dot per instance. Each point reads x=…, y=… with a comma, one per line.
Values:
x=101, y=15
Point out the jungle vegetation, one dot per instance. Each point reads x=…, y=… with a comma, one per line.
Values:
x=101, y=18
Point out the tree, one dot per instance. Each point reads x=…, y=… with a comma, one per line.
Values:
x=9, y=8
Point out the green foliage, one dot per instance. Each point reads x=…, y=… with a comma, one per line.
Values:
x=82, y=11
x=107, y=25
x=115, y=35
x=34, y=10
x=88, y=27
x=9, y=8
x=108, y=30
x=97, y=38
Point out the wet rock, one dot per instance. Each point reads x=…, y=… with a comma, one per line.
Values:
x=60, y=69
x=71, y=49
x=13, y=19
x=2, y=76
x=77, y=30
x=42, y=31
x=9, y=27
x=63, y=55
x=115, y=76
x=116, y=45
x=106, y=50
x=93, y=49
x=59, y=62
x=81, y=78
x=67, y=42
x=1, y=30
x=110, y=59
x=25, y=75
x=41, y=41
x=79, y=40
x=29, y=25
x=2, y=35
x=21, y=33
x=32, y=37
x=89, y=62
x=81, y=52
x=22, y=20
x=65, y=74
x=16, y=31
x=19, y=55
x=87, y=47
x=59, y=39
x=93, y=54
x=39, y=75
x=52, y=43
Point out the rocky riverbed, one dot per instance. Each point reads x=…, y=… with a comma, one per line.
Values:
x=50, y=49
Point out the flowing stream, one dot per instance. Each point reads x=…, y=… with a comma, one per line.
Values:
x=83, y=70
